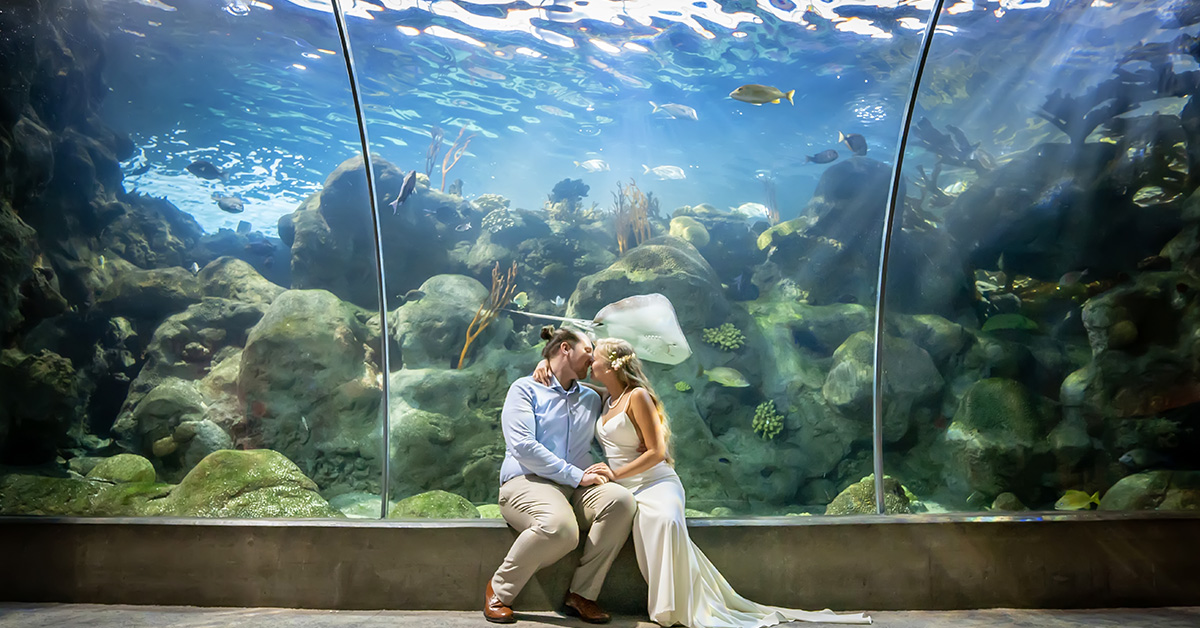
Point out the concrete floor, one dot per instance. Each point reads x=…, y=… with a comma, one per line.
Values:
x=98, y=616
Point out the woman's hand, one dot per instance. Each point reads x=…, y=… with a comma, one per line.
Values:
x=541, y=374
x=602, y=469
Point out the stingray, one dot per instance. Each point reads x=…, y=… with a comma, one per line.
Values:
x=646, y=321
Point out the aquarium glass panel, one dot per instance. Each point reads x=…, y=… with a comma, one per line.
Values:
x=563, y=160
x=1042, y=297
x=176, y=318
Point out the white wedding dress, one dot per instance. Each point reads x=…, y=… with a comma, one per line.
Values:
x=685, y=588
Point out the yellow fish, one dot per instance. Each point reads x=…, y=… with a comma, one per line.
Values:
x=759, y=94
x=521, y=300
x=1077, y=500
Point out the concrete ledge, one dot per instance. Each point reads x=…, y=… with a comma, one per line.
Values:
x=1040, y=560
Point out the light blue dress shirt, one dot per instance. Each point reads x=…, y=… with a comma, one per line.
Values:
x=548, y=431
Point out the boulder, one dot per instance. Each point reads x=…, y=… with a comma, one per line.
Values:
x=123, y=468
x=433, y=505
x=859, y=498
x=431, y=331
x=1155, y=490
x=35, y=428
x=310, y=388
x=150, y=294
x=246, y=485
x=233, y=279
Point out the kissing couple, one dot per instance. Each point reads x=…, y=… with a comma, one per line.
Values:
x=550, y=487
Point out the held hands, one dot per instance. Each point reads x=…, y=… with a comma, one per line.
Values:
x=591, y=479
x=541, y=374
x=602, y=470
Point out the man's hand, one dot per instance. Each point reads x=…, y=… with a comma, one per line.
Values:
x=541, y=374
x=592, y=479
x=601, y=468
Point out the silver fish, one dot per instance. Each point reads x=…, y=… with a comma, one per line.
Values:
x=675, y=110
x=466, y=226
x=406, y=189
x=665, y=172
x=559, y=301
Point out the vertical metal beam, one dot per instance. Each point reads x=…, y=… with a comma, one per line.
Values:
x=888, y=223
x=385, y=360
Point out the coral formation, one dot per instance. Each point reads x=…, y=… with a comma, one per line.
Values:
x=489, y=203
x=633, y=210
x=497, y=220
x=767, y=422
x=726, y=337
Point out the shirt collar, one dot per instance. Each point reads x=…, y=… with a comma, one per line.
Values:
x=555, y=384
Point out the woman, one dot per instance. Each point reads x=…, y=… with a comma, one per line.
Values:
x=685, y=588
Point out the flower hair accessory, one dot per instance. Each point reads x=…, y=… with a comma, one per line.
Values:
x=619, y=363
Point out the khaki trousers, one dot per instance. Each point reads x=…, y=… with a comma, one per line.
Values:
x=548, y=517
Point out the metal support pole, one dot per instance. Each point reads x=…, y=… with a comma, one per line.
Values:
x=885, y=249
x=348, y=54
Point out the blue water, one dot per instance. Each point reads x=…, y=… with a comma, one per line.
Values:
x=260, y=89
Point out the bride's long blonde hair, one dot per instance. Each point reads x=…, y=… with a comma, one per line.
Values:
x=628, y=367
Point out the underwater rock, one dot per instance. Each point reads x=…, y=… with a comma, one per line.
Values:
x=569, y=190
x=33, y=429
x=150, y=294
x=318, y=406
x=997, y=439
x=859, y=498
x=1008, y=502
x=331, y=229
x=17, y=252
x=1144, y=359
x=358, y=505
x=445, y=428
x=1140, y=491
x=689, y=229
x=123, y=468
x=666, y=265
x=269, y=257
x=156, y=415
x=431, y=332
x=246, y=485
x=910, y=378
x=151, y=233
x=234, y=279
x=940, y=338
x=76, y=497
x=433, y=505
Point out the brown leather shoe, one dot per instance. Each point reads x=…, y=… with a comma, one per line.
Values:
x=494, y=610
x=585, y=609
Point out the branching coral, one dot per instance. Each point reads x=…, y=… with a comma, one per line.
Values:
x=457, y=150
x=726, y=337
x=767, y=422
x=503, y=285
x=633, y=210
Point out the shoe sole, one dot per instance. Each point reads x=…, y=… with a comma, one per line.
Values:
x=573, y=612
x=501, y=620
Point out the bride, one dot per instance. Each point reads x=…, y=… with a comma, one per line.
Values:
x=685, y=588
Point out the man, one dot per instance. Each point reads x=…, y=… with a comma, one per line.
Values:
x=548, y=432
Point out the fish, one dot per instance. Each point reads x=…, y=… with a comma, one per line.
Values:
x=521, y=300
x=559, y=301
x=742, y=289
x=466, y=226
x=822, y=157
x=956, y=188
x=412, y=295
x=101, y=261
x=675, y=111
x=665, y=172
x=751, y=211
x=406, y=190
x=1071, y=278
x=195, y=268
x=593, y=165
x=727, y=377
x=1141, y=458
x=205, y=170
x=243, y=227
x=1077, y=500
x=760, y=94
x=231, y=204
x=855, y=142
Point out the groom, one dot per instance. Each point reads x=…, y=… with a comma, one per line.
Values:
x=548, y=432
